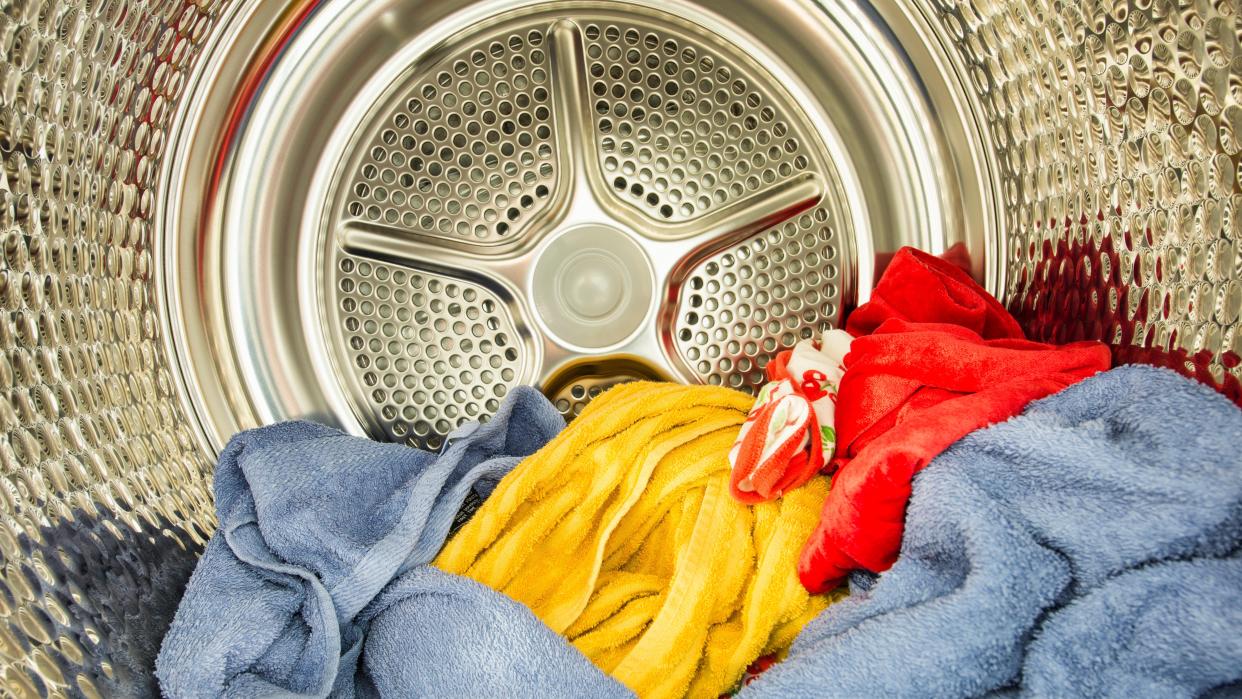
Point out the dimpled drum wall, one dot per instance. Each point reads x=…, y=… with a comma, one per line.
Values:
x=384, y=215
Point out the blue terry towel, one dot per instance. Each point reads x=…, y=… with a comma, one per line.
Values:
x=1089, y=547
x=316, y=582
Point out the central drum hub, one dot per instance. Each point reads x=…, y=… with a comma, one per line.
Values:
x=592, y=286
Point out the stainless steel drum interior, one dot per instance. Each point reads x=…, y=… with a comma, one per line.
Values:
x=384, y=215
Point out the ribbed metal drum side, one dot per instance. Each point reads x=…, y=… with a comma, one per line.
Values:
x=106, y=497
x=1119, y=129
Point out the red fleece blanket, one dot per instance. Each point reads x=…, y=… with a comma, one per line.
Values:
x=935, y=358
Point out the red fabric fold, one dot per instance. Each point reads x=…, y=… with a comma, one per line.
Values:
x=936, y=357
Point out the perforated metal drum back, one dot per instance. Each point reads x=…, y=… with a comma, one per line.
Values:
x=675, y=143
x=384, y=215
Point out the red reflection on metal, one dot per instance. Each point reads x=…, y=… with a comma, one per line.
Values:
x=295, y=16
x=1079, y=291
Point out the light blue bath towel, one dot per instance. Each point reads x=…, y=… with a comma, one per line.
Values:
x=1087, y=548
x=316, y=582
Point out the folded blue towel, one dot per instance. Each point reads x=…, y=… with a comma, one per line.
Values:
x=1089, y=547
x=316, y=582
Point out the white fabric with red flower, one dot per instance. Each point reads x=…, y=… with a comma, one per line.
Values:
x=790, y=433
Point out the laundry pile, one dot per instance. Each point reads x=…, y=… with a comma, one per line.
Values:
x=935, y=357
x=1089, y=547
x=673, y=540
x=657, y=575
x=316, y=582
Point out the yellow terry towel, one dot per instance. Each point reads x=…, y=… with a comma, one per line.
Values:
x=621, y=535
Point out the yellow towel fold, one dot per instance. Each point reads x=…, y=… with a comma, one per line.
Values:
x=621, y=535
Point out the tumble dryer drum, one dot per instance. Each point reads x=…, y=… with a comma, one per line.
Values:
x=385, y=214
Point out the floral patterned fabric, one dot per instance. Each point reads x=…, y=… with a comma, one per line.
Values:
x=789, y=434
